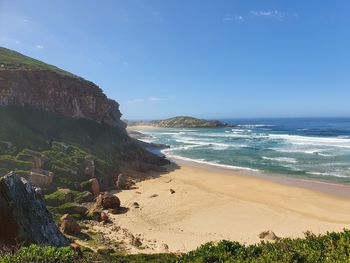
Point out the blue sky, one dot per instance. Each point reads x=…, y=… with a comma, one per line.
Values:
x=205, y=58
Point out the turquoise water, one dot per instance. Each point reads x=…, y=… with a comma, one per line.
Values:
x=307, y=148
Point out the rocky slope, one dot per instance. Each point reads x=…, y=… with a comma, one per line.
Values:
x=188, y=122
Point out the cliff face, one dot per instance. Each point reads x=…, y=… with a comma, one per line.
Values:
x=50, y=91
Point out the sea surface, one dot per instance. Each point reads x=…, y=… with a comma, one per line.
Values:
x=316, y=148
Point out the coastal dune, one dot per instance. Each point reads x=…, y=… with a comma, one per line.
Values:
x=195, y=204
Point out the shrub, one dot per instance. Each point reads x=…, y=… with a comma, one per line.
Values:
x=35, y=253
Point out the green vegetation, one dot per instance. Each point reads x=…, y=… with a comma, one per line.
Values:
x=63, y=143
x=187, y=122
x=329, y=248
x=32, y=138
x=35, y=253
x=10, y=59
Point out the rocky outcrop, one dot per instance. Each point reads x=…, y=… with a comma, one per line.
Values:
x=54, y=92
x=24, y=216
x=43, y=179
x=69, y=225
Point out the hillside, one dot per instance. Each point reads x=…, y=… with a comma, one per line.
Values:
x=43, y=108
x=10, y=59
x=188, y=122
x=62, y=132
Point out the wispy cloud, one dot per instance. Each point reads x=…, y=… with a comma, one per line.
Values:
x=229, y=18
x=267, y=13
x=256, y=13
x=39, y=46
x=135, y=101
x=150, y=99
x=156, y=99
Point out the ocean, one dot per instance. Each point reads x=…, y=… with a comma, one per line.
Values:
x=309, y=148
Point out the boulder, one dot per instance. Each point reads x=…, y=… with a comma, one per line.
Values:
x=24, y=216
x=86, y=197
x=42, y=179
x=95, y=186
x=121, y=182
x=69, y=225
x=104, y=201
x=108, y=201
x=269, y=235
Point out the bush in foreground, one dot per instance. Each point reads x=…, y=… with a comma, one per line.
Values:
x=332, y=247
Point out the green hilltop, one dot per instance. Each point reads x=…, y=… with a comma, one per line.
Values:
x=10, y=59
x=188, y=122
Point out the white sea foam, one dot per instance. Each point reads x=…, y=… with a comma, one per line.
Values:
x=281, y=159
x=320, y=141
x=328, y=174
x=255, y=125
x=202, y=161
x=202, y=143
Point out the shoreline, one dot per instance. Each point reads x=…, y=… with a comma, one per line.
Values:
x=333, y=188
x=195, y=203
x=336, y=189
x=213, y=204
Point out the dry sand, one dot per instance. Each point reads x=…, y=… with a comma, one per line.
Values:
x=142, y=127
x=214, y=204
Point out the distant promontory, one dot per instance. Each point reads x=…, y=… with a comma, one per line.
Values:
x=188, y=122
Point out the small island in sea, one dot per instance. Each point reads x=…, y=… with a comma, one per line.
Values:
x=182, y=122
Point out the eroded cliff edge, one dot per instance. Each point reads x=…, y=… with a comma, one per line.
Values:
x=50, y=91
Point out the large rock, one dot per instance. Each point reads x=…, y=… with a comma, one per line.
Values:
x=103, y=202
x=121, y=182
x=69, y=225
x=24, y=216
x=269, y=235
x=42, y=180
x=94, y=186
x=108, y=201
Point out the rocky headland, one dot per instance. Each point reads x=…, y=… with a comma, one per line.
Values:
x=188, y=122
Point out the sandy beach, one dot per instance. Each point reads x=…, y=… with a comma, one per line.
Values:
x=211, y=204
